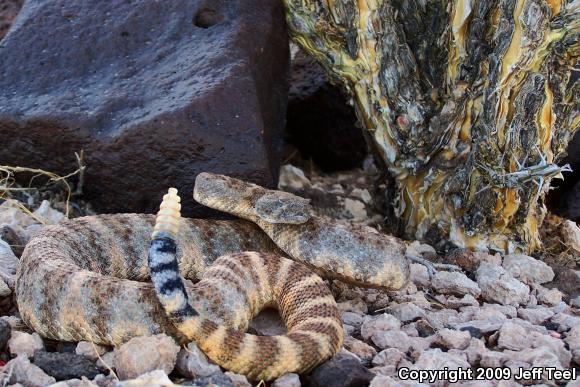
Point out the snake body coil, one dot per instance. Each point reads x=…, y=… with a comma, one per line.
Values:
x=90, y=278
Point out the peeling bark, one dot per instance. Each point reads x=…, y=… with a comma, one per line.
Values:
x=467, y=103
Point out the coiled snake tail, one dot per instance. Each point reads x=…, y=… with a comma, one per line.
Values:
x=257, y=280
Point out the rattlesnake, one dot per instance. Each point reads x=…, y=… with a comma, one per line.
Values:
x=89, y=278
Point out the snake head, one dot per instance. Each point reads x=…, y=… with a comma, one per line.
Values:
x=283, y=207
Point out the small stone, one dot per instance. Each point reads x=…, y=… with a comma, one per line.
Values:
x=340, y=371
x=556, y=346
x=406, y=293
x=497, y=285
x=550, y=297
x=106, y=381
x=420, y=275
x=156, y=378
x=571, y=234
x=463, y=258
x=20, y=370
x=15, y=237
x=392, y=339
x=538, y=357
x=561, y=307
x=456, y=283
x=380, y=323
x=364, y=351
x=475, y=351
x=536, y=316
x=493, y=359
x=238, y=380
x=143, y=354
x=90, y=350
x=214, y=380
x=369, y=166
x=362, y=194
x=356, y=209
x=11, y=214
x=24, y=343
x=389, y=356
x=8, y=264
x=345, y=352
x=530, y=327
x=479, y=328
x=532, y=302
x=470, y=260
x=353, y=319
x=565, y=321
x=466, y=300
x=494, y=312
x=192, y=363
x=268, y=323
x=288, y=380
x=16, y=323
x=77, y=366
x=516, y=365
x=335, y=189
x=452, y=339
x=410, y=329
x=406, y=312
x=348, y=329
x=443, y=318
x=514, y=337
x=435, y=359
x=575, y=302
x=419, y=345
x=417, y=298
x=292, y=178
x=47, y=214
x=573, y=341
x=356, y=305
x=4, y=289
x=424, y=328
x=417, y=249
x=527, y=269
x=495, y=260
x=106, y=361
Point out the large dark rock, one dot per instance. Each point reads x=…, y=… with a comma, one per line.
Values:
x=321, y=124
x=63, y=366
x=154, y=92
x=214, y=380
x=340, y=371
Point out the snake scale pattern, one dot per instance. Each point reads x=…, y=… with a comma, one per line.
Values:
x=109, y=278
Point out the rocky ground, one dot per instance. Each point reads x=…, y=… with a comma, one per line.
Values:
x=513, y=311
